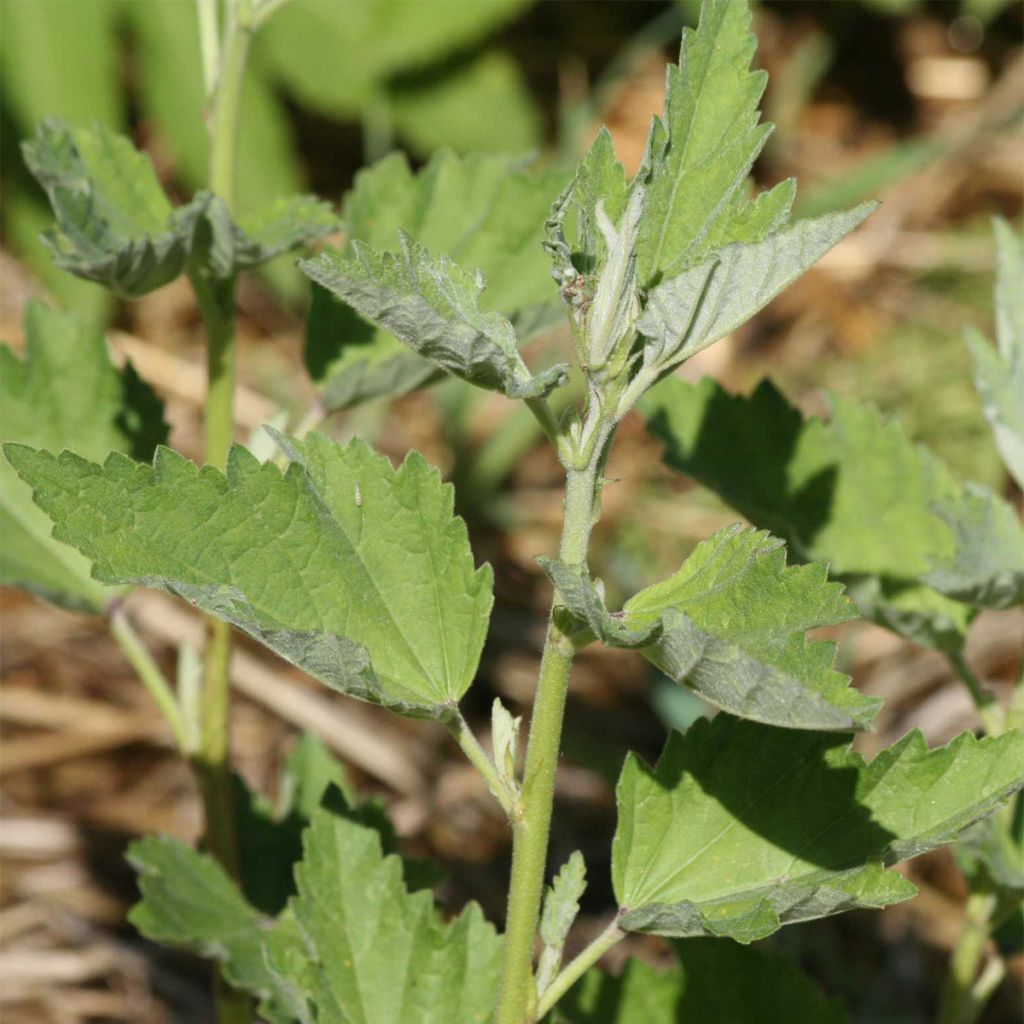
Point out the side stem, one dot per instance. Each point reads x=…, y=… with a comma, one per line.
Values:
x=518, y=999
x=579, y=966
x=965, y=993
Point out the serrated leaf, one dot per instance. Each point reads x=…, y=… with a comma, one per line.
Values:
x=986, y=568
x=64, y=393
x=700, y=153
x=375, y=953
x=354, y=571
x=716, y=981
x=705, y=845
x=687, y=313
x=432, y=305
x=114, y=223
x=561, y=905
x=852, y=491
x=482, y=211
x=999, y=371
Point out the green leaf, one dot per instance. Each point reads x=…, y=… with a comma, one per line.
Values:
x=852, y=491
x=706, y=845
x=700, y=153
x=733, y=624
x=730, y=625
x=716, y=981
x=999, y=372
x=986, y=569
x=189, y=901
x=373, y=953
x=432, y=305
x=353, y=571
x=686, y=314
x=561, y=905
x=482, y=211
x=114, y=223
x=65, y=392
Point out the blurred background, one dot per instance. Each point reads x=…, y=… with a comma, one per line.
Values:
x=917, y=103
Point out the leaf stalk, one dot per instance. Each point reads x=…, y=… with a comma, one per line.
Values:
x=579, y=966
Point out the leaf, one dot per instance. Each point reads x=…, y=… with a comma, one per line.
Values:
x=852, y=491
x=706, y=845
x=686, y=314
x=700, y=153
x=986, y=569
x=999, y=372
x=715, y=981
x=432, y=305
x=353, y=571
x=64, y=392
x=482, y=211
x=373, y=953
x=733, y=624
x=114, y=223
x=561, y=905
x=730, y=625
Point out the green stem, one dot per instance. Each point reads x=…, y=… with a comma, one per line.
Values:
x=579, y=966
x=517, y=1001
x=149, y=672
x=459, y=729
x=965, y=994
x=988, y=707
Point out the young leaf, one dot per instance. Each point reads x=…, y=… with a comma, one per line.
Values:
x=700, y=153
x=432, y=305
x=999, y=372
x=716, y=981
x=354, y=571
x=114, y=223
x=373, y=953
x=561, y=905
x=64, y=393
x=505, y=741
x=482, y=211
x=730, y=625
x=706, y=845
x=853, y=491
x=687, y=313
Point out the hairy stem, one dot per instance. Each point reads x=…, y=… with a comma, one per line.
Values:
x=463, y=735
x=149, y=673
x=965, y=993
x=517, y=1002
x=579, y=966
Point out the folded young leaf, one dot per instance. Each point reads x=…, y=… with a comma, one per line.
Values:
x=64, y=393
x=686, y=314
x=707, y=846
x=114, y=223
x=353, y=571
x=999, y=372
x=561, y=905
x=482, y=211
x=432, y=305
x=852, y=491
x=730, y=625
x=700, y=153
x=373, y=953
x=717, y=981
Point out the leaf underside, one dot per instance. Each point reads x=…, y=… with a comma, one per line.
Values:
x=707, y=846
x=352, y=570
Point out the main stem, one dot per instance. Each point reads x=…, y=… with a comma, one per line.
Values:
x=518, y=999
x=962, y=1001
x=216, y=299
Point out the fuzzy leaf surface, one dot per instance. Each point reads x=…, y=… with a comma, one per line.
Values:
x=734, y=619
x=483, y=211
x=687, y=313
x=702, y=989
x=853, y=491
x=114, y=224
x=999, y=371
x=699, y=154
x=375, y=953
x=706, y=846
x=350, y=569
x=64, y=393
x=432, y=305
